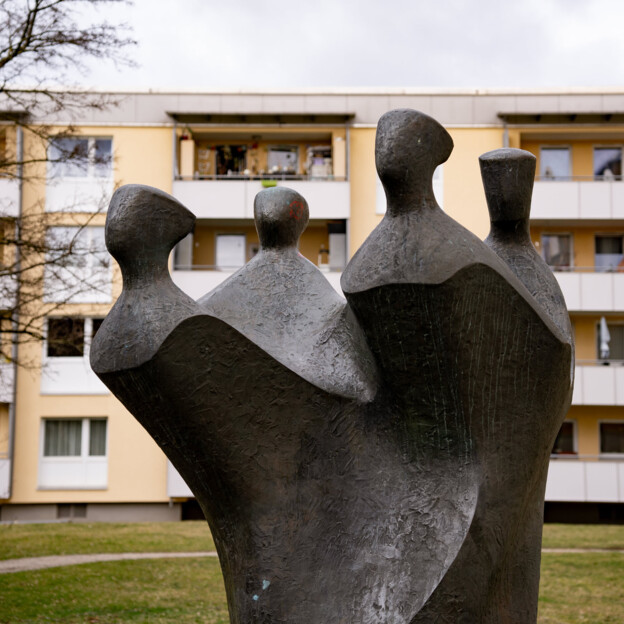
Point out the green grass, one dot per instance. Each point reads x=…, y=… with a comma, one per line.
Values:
x=37, y=540
x=583, y=536
x=575, y=588
x=158, y=591
x=582, y=588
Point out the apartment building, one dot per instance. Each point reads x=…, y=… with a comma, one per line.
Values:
x=69, y=449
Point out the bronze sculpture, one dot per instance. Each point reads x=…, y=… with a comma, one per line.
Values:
x=379, y=459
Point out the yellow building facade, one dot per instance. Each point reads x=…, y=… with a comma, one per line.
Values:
x=68, y=449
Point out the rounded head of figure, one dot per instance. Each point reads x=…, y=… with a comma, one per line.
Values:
x=408, y=147
x=143, y=220
x=508, y=176
x=281, y=216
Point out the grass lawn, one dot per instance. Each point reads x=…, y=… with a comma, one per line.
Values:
x=37, y=540
x=575, y=588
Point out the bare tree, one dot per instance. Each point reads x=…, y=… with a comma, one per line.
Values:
x=44, y=44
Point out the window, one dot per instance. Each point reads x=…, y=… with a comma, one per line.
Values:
x=66, y=335
x=80, y=157
x=609, y=256
x=613, y=349
x=231, y=159
x=230, y=251
x=65, y=364
x=607, y=163
x=78, y=266
x=557, y=250
x=554, y=163
x=73, y=453
x=283, y=159
x=611, y=437
x=565, y=442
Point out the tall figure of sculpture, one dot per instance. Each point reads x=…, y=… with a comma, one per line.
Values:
x=375, y=460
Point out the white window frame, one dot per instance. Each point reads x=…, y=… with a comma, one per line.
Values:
x=70, y=374
x=79, y=472
x=89, y=193
x=608, y=422
x=574, y=440
x=91, y=283
x=571, y=235
x=92, y=166
x=568, y=175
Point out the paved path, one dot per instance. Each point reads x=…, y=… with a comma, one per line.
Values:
x=39, y=563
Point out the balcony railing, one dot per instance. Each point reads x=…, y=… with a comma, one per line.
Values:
x=197, y=281
x=592, y=289
x=578, y=198
x=586, y=478
x=599, y=382
x=232, y=197
x=7, y=376
x=5, y=476
x=264, y=177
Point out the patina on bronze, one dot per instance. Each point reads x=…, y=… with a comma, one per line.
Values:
x=375, y=460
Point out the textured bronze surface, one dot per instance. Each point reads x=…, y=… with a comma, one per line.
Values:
x=375, y=460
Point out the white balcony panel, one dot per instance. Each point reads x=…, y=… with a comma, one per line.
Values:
x=70, y=375
x=555, y=200
x=592, y=292
x=619, y=384
x=575, y=480
x=7, y=376
x=566, y=481
x=595, y=199
x=577, y=393
x=233, y=199
x=176, y=485
x=596, y=291
x=5, y=477
x=589, y=199
x=73, y=473
x=9, y=197
x=78, y=195
x=570, y=284
x=618, y=291
x=210, y=199
x=196, y=284
x=617, y=195
x=598, y=385
x=602, y=481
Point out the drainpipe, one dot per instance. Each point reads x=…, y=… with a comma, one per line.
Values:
x=14, y=316
x=174, y=163
x=505, y=135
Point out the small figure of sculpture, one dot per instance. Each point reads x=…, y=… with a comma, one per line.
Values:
x=380, y=459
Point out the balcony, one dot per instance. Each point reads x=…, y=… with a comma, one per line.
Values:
x=577, y=199
x=232, y=197
x=9, y=197
x=200, y=281
x=586, y=290
x=7, y=376
x=599, y=383
x=586, y=479
x=176, y=485
x=5, y=476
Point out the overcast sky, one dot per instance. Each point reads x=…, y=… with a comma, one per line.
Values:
x=269, y=44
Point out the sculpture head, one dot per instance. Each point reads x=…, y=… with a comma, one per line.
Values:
x=281, y=216
x=145, y=222
x=408, y=147
x=508, y=176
